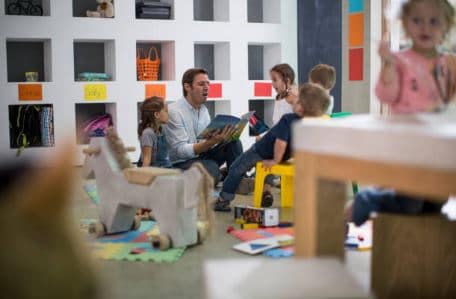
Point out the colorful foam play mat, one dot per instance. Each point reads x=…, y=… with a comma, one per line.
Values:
x=130, y=246
x=257, y=234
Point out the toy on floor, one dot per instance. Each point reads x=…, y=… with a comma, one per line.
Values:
x=261, y=216
x=105, y=9
x=178, y=199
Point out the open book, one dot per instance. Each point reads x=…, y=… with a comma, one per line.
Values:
x=221, y=120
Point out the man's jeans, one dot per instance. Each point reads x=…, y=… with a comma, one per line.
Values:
x=214, y=158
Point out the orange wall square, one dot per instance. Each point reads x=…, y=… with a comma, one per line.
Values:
x=158, y=90
x=30, y=92
x=356, y=30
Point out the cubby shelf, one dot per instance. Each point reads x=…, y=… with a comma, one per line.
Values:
x=154, y=10
x=31, y=125
x=166, y=56
x=262, y=57
x=28, y=55
x=263, y=11
x=211, y=10
x=80, y=7
x=27, y=8
x=94, y=56
x=219, y=35
x=264, y=108
x=215, y=58
x=85, y=112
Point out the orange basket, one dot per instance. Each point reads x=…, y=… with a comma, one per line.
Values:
x=146, y=68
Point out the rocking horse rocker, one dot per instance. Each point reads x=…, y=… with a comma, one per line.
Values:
x=178, y=199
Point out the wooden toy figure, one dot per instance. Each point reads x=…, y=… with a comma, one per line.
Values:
x=178, y=199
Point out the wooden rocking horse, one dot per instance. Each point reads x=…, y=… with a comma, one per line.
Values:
x=178, y=199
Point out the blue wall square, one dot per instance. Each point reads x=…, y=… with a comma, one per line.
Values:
x=355, y=6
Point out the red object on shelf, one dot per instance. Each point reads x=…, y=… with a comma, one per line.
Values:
x=229, y=229
x=262, y=89
x=215, y=90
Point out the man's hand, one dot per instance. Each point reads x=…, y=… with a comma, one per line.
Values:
x=223, y=135
x=267, y=164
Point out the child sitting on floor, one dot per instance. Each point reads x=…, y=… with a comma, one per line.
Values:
x=418, y=79
x=275, y=146
x=154, y=149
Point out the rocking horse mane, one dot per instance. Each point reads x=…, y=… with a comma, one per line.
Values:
x=118, y=148
x=205, y=211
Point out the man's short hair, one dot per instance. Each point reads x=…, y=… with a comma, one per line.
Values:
x=189, y=76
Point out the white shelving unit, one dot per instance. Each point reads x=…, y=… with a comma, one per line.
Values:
x=227, y=34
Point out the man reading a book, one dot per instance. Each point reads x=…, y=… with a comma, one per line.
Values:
x=188, y=117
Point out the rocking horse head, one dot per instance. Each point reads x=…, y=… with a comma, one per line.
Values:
x=40, y=255
x=109, y=149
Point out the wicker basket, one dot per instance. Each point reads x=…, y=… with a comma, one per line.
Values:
x=147, y=69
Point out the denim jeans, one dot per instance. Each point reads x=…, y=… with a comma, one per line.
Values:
x=243, y=163
x=383, y=200
x=214, y=158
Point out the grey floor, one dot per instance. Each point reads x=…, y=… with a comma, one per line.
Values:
x=184, y=279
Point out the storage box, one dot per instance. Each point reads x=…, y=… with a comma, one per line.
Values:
x=262, y=216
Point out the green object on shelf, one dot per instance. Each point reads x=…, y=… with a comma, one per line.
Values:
x=340, y=114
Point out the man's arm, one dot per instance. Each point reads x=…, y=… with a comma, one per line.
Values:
x=177, y=137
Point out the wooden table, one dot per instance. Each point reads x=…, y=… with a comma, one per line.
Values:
x=414, y=154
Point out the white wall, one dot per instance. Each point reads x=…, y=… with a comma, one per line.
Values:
x=125, y=31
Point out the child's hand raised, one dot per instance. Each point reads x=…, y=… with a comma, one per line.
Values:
x=384, y=50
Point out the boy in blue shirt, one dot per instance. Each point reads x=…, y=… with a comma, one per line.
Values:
x=275, y=146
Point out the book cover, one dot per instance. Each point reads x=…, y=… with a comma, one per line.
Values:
x=220, y=121
x=257, y=125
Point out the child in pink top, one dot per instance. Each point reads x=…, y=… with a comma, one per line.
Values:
x=419, y=79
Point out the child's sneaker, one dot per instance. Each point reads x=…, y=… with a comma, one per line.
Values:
x=267, y=199
x=221, y=205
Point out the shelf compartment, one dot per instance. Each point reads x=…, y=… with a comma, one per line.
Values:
x=31, y=125
x=94, y=56
x=166, y=53
x=28, y=55
x=263, y=11
x=80, y=7
x=87, y=111
x=28, y=8
x=211, y=10
x=264, y=109
x=213, y=57
x=261, y=58
x=218, y=107
x=153, y=9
